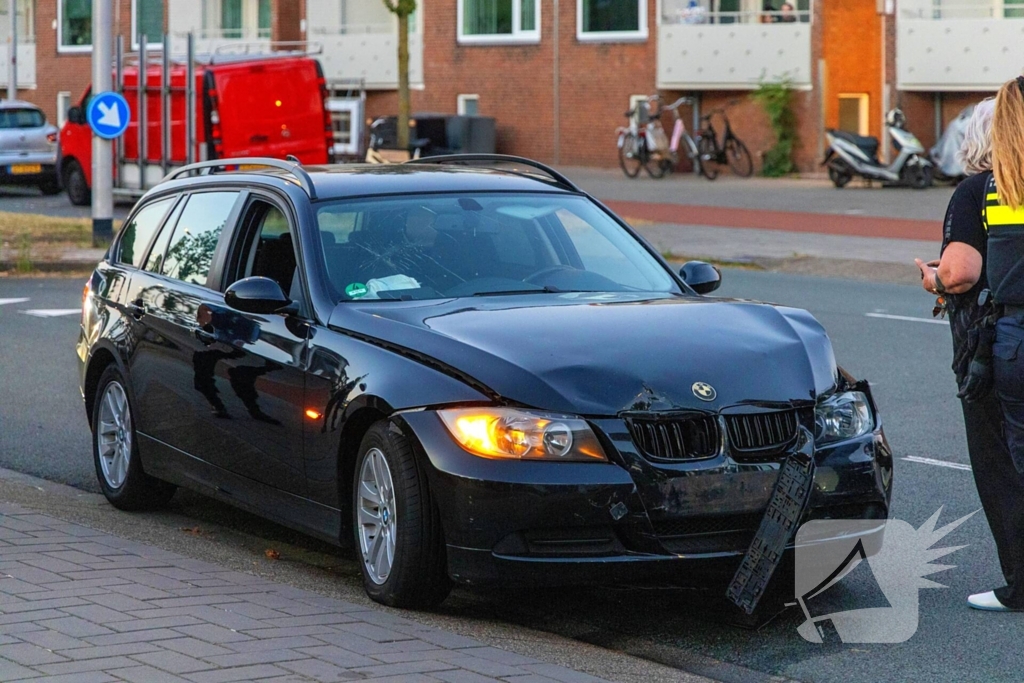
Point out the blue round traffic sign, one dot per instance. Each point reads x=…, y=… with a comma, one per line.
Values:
x=108, y=114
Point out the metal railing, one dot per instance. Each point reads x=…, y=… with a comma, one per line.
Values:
x=679, y=12
x=353, y=29
x=963, y=9
x=226, y=34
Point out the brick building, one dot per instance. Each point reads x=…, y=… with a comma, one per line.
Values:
x=557, y=75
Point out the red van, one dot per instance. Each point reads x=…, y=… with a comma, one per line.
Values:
x=266, y=106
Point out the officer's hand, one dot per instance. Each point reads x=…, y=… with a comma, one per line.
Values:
x=979, y=380
x=927, y=275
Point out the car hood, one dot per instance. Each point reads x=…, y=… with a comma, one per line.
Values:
x=602, y=354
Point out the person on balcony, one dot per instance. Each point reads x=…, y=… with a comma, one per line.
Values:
x=787, y=13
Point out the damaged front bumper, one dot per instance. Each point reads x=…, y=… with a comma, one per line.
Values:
x=627, y=520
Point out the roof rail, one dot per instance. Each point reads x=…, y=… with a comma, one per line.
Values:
x=498, y=159
x=295, y=169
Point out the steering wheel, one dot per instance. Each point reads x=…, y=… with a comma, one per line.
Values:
x=550, y=270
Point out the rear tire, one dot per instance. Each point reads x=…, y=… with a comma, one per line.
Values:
x=115, y=449
x=739, y=158
x=654, y=164
x=74, y=181
x=397, y=526
x=707, y=158
x=631, y=155
x=50, y=186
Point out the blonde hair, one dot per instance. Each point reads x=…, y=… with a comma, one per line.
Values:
x=1008, y=143
x=975, y=153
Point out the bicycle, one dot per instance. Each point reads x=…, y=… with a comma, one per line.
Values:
x=680, y=135
x=636, y=148
x=731, y=152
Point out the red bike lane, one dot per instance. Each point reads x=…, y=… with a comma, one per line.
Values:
x=786, y=221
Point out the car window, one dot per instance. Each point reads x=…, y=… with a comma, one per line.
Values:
x=190, y=251
x=435, y=246
x=21, y=118
x=155, y=260
x=267, y=249
x=135, y=236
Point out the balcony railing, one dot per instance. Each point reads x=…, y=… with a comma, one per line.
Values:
x=26, y=62
x=963, y=9
x=367, y=52
x=680, y=12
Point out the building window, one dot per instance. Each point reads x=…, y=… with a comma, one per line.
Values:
x=468, y=105
x=63, y=104
x=149, y=22
x=74, y=25
x=611, y=20
x=853, y=113
x=239, y=19
x=499, y=21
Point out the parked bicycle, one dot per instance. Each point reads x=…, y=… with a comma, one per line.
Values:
x=731, y=151
x=637, y=144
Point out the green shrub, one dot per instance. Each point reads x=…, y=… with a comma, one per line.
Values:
x=776, y=98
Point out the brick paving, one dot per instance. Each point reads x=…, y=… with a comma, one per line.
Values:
x=82, y=606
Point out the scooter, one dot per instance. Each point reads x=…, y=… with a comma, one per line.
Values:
x=850, y=155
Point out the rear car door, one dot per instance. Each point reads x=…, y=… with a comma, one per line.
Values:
x=172, y=368
x=261, y=357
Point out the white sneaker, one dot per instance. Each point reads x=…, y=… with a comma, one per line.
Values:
x=988, y=601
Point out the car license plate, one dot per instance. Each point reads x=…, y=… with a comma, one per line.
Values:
x=25, y=169
x=778, y=526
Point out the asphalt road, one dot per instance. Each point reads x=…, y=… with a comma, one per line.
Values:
x=30, y=200
x=43, y=432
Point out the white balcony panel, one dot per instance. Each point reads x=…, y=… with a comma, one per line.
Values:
x=371, y=55
x=26, y=65
x=958, y=54
x=732, y=56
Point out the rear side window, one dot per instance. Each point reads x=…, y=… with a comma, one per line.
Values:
x=21, y=118
x=135, y=236
x=190, y=252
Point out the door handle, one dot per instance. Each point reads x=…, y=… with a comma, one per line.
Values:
x=204, y=336
x=137, y=309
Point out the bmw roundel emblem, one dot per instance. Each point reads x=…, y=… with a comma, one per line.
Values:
x=704, y=391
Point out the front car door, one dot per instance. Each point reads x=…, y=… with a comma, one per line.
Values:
x=256, y=364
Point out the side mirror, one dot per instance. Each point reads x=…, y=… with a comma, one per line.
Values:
x=76, y=115
x=701, y=277
x=256, y=295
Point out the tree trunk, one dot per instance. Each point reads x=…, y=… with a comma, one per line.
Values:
x=403, y=81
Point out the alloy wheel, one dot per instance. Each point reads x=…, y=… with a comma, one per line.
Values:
x=114, y=435
x=377, y=517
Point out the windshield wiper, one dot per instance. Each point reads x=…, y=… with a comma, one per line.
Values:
x=546, y=289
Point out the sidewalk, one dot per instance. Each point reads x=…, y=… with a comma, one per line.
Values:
x=83, y=606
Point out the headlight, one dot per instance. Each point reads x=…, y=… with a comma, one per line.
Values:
x=842, y=416
x=522, y=435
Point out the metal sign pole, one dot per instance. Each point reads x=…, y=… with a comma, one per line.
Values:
x=12, y=76
x=190, y=99
x=119, y=88
x=165, y=106
x=102, y=153
x=143, y=119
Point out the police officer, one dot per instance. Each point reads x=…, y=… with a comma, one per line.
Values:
x=1004, y=219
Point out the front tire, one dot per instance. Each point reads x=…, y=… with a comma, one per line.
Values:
x=918, y=175
x=708, y=158
x=115, y=449
x=74, y=181
x=397, y=526
x=631, y=155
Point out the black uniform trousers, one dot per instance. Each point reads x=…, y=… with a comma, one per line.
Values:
x=995, y=441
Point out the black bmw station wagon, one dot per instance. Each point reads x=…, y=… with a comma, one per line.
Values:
x=466, y=368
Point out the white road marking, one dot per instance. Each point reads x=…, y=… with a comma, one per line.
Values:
x=13, y=301
x=908, y=318
x=52, y=312
x=939, y=463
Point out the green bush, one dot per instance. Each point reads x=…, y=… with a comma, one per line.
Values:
x=776, y=98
